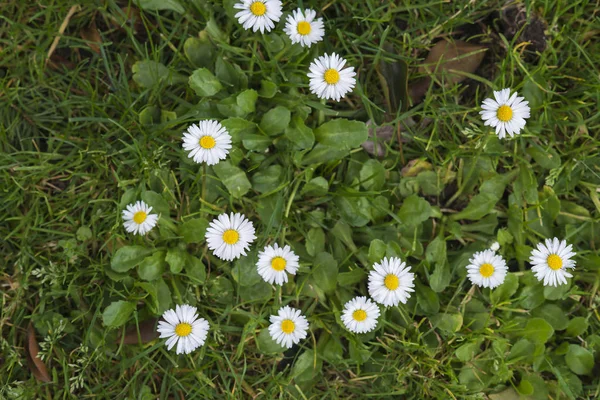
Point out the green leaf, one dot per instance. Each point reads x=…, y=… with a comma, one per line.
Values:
x=257, y=142
x=157, y=202
x=351, y=277
x=479, y=206
x=377, y=250
x=467, y=351
x=321, y=154
x=275, y=121
x=204, y=83
x=414, y=210
x=546, y=159
x=325, y=272
x=436, y=250
x=266, y=344
x=448, y=323
x=220, y=290
x=163, y=296
x=577, y=326
x=427, y=299
x=522, y=349
x=152, y=267
x=315, y=241
x=195, y=269
x=266, y=180
x=342, y=134
x=372, y=175
x=233, y=178
x=193, y=230
x=200, y=51
x=268, y=89
x=429, y=183
x=505, y=290
x=553, y=314
x=579, y=360
x=176, y=259
x=83, y=233
x=128, y=257
x=154, y=5
x=299, y=134
x=305, y=369
x=239, y=128
x=316, y=187
x=538, y=330
x=246, y=101
x=117, y=313
x=149, y=73
x=228, y=73
x=440, y=279
x=244, y=271
x=354, y=210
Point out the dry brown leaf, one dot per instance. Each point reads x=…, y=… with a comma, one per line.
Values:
x=449, y=60
x=92, y=37
x=147, y=332
x=37, y=366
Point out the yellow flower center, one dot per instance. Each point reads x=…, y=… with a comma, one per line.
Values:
x=183, y=329
x=139, y=217
x=331, y=76
x=391, y=282
x=486, y=270
x=504, y=113
x=359, y=315
x=287, y=326
x=231, y=236
x=207, y=142
x=258, y=8
x=554, y=262
x=303, y=27
x=278, y=263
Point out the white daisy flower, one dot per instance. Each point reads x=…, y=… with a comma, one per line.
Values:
x=229, y=236
x=288, y=326
x=301, y=27
x=360, y=315
x=258, y=14
x=507, y=113
x=551, y=260
x=274, y=262
x=327, y=78
x=486, y=269
x=183, y=327
x=207, y=142
x=138, y=218
x=391, y=282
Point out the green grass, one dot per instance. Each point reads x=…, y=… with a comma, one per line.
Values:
x=81, y=137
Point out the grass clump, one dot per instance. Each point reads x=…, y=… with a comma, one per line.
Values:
x=95, y=123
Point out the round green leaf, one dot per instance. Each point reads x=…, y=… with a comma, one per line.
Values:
x=579, y=360
x=577, y=326
x=325, y=272
x=342, y=134
x=553, y=314
x=176, y=259
x=275, y=121
x=117, y=313
x=538, y=330
x=152, y=267
x=193, y=230
x=204, y=83
x=128, y=257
